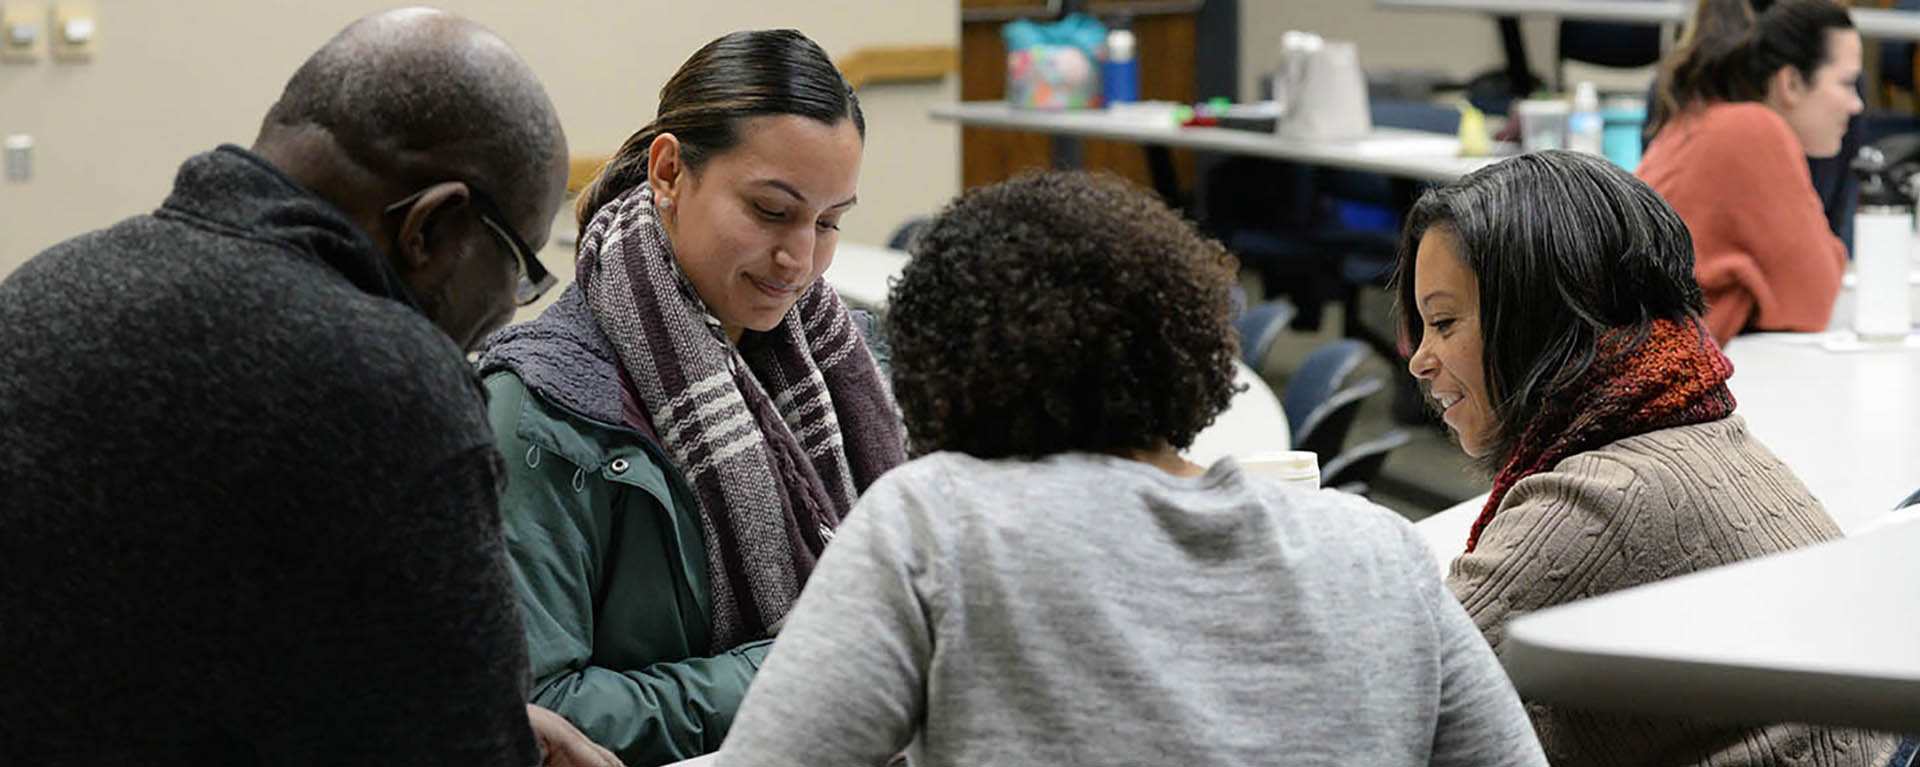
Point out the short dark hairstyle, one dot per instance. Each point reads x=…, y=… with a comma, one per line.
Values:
x=412, y=100
x=1061, y=311
x=737, y=76
x=1565, y=247
x=1732, y=47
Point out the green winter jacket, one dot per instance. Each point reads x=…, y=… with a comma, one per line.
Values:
x=608, y=553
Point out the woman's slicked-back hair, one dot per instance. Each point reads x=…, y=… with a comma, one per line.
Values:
x=1732, y=47
x=1565, y=247
x=738, y=76
x=1061, y=312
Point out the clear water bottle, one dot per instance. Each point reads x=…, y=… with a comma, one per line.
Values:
x=1585, y=125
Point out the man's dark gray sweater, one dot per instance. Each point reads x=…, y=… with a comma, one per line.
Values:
x=248, y=499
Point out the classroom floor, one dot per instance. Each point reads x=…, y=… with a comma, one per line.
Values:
x=1422, y=477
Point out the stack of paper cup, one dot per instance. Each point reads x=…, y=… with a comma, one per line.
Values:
x=1300, y=468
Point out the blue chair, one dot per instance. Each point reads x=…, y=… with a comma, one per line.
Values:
x=1320, y=407
x=1608, y=44
x=1366, y=239
x=902, y=238
x=1259, y=325
x=1325, y=429
x=1354, y=470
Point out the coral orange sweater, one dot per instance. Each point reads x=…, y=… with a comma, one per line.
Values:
x=1762, y=249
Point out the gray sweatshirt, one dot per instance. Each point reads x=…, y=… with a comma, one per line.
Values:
x=1092, y=610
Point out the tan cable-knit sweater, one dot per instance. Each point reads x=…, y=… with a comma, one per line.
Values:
x=1641, y=509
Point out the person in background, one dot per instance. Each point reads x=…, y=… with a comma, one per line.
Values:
x=1836, y=186
x=248, y=491
x=688, y=423
x=1743, y=102
x=1050, y=582
x=1560, y=333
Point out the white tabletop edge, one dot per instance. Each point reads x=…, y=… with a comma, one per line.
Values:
x=1099, y=124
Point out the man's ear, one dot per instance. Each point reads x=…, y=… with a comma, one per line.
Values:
x=425, y=249
x=665, y=171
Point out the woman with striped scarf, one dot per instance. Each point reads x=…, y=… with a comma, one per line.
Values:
x=689, y=422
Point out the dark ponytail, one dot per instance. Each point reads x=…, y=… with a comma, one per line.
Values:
x=740, y=75
x=1732, y=47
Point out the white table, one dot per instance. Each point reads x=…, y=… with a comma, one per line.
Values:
x=1823, y=634
x=1872, y=22
x=1252, y=423
x=1848, y=423
x=1405, y=153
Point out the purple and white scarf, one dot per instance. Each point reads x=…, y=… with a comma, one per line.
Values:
x=777, y=436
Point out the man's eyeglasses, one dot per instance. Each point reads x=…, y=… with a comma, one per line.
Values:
x=535, y=280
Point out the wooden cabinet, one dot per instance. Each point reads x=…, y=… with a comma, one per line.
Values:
x=1166, y=50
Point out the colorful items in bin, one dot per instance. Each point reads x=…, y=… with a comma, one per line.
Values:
x=1054, y=66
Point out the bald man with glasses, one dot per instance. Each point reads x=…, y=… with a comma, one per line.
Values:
x=248, y=492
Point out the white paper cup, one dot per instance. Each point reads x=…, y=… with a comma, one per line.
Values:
x=1300, y=468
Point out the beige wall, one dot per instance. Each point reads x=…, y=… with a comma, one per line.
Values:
x=1462, y=44
x=177, y=77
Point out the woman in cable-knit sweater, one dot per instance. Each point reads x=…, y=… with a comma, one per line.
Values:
x=1559, y=329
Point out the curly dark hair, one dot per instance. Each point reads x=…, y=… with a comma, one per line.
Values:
x=1057, y=312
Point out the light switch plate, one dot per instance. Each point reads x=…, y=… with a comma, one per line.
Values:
x=74, y=34
x=19, y=157
x=18, y=22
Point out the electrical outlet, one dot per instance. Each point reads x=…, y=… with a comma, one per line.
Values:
x=23, y=33
x=74, y=35
x=19, y=162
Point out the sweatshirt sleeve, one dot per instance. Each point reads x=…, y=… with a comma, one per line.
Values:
x=1481, y=721
x=846, y=684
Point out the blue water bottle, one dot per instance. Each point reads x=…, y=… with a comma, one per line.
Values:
x=1120, y=76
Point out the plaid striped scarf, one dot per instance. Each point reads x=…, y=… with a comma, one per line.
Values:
x=1677, y=376
x=776, y=435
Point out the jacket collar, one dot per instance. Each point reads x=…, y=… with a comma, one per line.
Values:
x=239, y=192
x=563, y=356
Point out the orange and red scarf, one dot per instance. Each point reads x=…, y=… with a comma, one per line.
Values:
x=1676, y=376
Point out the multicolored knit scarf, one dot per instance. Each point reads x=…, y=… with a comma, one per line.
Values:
x=1676, y=377
x=777, y=435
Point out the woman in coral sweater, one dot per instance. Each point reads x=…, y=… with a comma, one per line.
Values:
x=1744, y=101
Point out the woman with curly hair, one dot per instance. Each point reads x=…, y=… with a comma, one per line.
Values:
x=1050, y=582
x=1560, y=333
